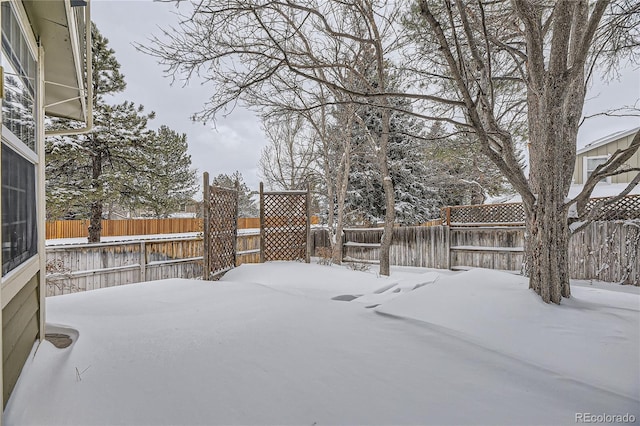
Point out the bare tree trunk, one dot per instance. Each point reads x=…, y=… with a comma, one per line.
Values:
x=389, y=196
x=341, y=188
x=95, y=220
x=554, y=100
x=548, y=252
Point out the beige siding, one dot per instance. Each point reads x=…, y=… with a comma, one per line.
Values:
x=608, y=149
x=20, y=320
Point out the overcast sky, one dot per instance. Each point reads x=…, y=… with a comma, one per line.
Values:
x=237, y=141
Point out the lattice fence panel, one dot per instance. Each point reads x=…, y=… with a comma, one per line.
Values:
x=284, y=225
x=221, y=230
x=506, y=214
x=624, y=209
x=513, y=213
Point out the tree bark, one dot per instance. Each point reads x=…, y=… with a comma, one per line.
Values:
x=555, y=97
x=389, y=196
x=341, y=188
x=95, y=220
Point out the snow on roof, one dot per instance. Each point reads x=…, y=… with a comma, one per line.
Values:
x=607, y=139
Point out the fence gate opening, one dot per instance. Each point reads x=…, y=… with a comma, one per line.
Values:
x=285, y=224
x=220, y=214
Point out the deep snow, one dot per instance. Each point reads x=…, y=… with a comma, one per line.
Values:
x=268, y=345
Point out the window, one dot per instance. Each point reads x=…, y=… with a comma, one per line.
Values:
x=18, y=106
x=19, y=147
x=19, y=222
x=590, y=164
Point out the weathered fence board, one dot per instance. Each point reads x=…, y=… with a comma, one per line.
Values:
x=248, y=248
x=423, y=246
x=80, y=267
x=606, y=251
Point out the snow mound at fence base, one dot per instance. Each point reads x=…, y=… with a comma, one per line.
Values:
x=593, y=337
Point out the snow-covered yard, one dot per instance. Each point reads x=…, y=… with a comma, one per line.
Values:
x=287, y=343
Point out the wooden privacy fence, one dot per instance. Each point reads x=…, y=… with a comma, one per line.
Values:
x=80, y=267
x=512, y=214
x=220, y=228
x=604, y=250
x=285, y=224
x=111, y=228
x=423, y=246
x=126, y=227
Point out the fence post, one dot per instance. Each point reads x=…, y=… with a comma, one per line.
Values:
x=448, y=217
x=235, y=231
x=261, y=222
x=206, y=201
x=143, y=261
x=307, y=257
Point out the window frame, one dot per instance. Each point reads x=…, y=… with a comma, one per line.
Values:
x=33, y=156
x=32, y=45
x=34, y=169
x=585, y=170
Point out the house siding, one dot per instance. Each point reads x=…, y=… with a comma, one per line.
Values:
x=20, y=330
x=604, y=150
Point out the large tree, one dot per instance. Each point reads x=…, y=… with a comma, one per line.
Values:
x=416, y=199
x=103, y=164
x=486, y=51
x=479, y=65
x=168, y=180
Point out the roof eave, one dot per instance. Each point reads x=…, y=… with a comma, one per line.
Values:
x=56, y=24
x=607, y=140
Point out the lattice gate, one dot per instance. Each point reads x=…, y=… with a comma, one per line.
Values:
x=285, y=224
x=220, y=211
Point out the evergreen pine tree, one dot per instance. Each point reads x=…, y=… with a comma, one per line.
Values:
x=416, y=199
x=246, y=204
x=108, y=165
x=170, y=182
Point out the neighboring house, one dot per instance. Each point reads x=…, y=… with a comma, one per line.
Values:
x=43, y=72
x=597, y=152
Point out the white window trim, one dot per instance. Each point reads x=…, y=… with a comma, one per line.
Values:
x=7, y=135
x=15, y=279
x=585, y=162
x=21, y=14
x=9, y=139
